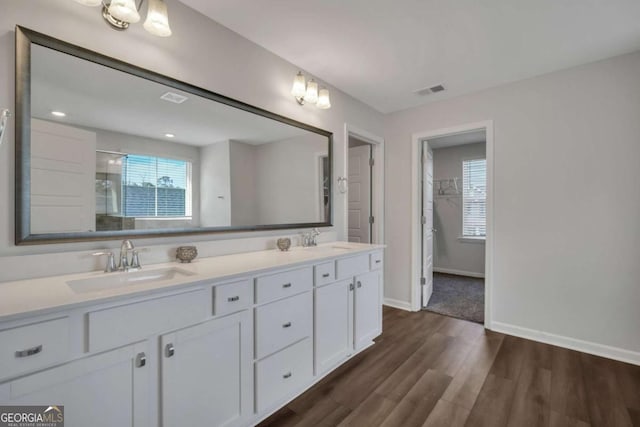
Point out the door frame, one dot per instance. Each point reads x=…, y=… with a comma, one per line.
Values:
x=377, y=181
x=416, y=214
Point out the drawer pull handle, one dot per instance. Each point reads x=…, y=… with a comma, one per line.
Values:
x=169, y=350
x=286, y=285
x=378, y=261
x=326, y=275
x=29, y=352
x=141, y=360
x=232, y=299
x=287, y=325
x=351, y=286
x=359, y=284
x=287, y=375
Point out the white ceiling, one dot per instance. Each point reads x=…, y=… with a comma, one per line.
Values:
x=381, y=51
x=99, y=97
x=462, y=138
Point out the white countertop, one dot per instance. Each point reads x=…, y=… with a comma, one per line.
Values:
x=30, y=297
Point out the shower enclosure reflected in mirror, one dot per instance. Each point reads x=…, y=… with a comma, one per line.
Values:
x=106, y=149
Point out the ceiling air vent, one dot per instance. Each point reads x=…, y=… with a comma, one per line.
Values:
x=176, y=98
x=429, y=90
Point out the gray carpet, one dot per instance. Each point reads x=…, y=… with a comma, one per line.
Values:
x=458, y=296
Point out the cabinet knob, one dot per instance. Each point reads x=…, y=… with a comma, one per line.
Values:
x=287, y=325
x=286, y=285
x=359, y=284
x=351, y=286
x=141, y=360
x=287, y=375
x=29, y=351
x=169, y=350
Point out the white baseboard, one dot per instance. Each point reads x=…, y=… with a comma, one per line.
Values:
x=396, y=303
x=458, y=272
x=609, y=352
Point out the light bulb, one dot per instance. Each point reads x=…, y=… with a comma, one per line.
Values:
x=157, y=22
x=323, y=99
x=299, y=88
x=124, y=10
x=311, y=96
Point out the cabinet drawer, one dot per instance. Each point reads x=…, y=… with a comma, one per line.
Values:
x=352, y=266
x=325, y=273
x=113, y=327
x=31, y=347
x=282, y=323
x=281, y=285
x=231, y=297
x=376, y=260
x=283, y=374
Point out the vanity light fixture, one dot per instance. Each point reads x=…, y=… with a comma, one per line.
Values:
x=58, y=114
x=308, y=92
x=120, y=13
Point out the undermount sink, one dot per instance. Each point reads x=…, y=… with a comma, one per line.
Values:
x=121, y=280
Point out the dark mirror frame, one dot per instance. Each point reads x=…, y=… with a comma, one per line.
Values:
x=24, y=39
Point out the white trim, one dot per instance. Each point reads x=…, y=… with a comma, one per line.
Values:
x=458, y=272
x=416, y=144
x=609, y=352
x=469, y=239
x=377, y=143
x=396, y=303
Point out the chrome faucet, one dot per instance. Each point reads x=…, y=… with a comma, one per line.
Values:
x=310, y=238
x=125, y=265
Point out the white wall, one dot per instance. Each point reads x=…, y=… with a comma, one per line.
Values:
x=450, y=253
x=567, y=199
x=288, y=176
x=200, y=52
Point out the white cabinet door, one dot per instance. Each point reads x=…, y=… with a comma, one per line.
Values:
x=333, y=324
x=368, y=309
x=108, y=389
x=206, y=376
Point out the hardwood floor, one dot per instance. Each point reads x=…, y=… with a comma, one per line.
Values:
x=430, y=370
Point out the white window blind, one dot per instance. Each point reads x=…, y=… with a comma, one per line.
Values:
x=474, y=198
x=156, y=187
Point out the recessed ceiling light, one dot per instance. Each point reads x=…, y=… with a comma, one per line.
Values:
x=169, y=135
x=58, y=114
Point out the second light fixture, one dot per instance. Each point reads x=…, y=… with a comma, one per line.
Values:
x=307, y=92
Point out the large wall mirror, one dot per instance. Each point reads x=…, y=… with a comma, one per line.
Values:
x=105, y=149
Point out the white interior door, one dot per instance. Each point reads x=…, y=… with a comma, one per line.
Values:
x=427, y=223
x=63, y=176
x=359, y=194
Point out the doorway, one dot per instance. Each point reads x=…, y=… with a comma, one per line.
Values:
x=452, y=221
x=454, y=224
x=360, y=188
x=363, y=186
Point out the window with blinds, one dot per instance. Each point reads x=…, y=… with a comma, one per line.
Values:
x=155, y=187
x=474, y=198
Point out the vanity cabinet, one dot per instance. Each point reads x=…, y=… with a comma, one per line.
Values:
x=348, y=313
x=104, y=390
x=206, y=376
x=215, y=352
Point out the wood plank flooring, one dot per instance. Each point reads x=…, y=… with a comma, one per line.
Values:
x=435, y=371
